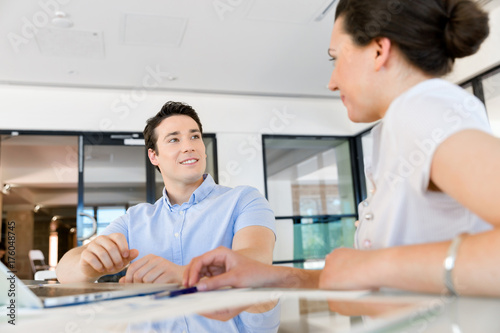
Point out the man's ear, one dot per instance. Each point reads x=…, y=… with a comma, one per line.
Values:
x=152, y=157
x=383, y=48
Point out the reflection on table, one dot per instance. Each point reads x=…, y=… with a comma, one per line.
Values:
x=270, y=310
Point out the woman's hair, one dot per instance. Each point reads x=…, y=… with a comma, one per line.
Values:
x=430, y=33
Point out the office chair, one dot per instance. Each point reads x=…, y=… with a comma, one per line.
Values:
x=45, y=275
x=37, y=260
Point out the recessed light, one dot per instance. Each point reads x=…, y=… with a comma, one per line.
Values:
x=61, y=20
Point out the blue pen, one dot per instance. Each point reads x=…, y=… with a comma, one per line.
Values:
x=177, y=292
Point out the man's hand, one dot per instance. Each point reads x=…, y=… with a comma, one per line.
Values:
x=106, y=255
x=153, y=269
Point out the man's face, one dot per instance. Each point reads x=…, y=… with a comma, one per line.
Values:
x=180, y=151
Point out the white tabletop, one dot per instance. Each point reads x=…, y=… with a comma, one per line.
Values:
x=301, y=311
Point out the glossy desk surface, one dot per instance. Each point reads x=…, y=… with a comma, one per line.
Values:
x=296, y=311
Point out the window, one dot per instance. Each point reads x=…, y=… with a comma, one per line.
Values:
x=491, y=90
x=103, y=215
x=309, y=184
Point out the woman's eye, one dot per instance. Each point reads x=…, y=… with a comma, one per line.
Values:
x=333, y=60
x=173, y=140
x=195, y=137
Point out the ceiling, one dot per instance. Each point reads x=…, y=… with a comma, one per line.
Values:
x=256, y=47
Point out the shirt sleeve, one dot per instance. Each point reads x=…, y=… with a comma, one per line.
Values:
x=425, y=122
x=254, y=210
x=119, y=225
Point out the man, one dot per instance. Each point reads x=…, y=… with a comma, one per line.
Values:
x=194, y=215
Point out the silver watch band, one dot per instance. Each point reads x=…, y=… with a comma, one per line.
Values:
x=449, y=263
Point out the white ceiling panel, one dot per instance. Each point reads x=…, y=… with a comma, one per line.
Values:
x=206, y=46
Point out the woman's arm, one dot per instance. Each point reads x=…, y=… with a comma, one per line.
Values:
x=465, y=166
x=418, y=267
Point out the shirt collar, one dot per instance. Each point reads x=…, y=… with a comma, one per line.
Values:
x=198, y=195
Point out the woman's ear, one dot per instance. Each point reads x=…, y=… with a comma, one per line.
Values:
x=152, y=157
x=383, y=50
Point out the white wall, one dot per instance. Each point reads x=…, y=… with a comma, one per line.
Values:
x=238, y=121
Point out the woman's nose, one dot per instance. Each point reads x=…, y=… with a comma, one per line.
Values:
x=332, y=85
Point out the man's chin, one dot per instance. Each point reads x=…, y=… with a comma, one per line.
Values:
x=190, y=180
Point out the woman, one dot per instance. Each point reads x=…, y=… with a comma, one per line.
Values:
x=433, y=167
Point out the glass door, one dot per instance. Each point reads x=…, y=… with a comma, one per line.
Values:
x=112, y=177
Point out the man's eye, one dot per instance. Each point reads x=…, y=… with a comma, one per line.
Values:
x=173, y=140
x=333, y=60
x=195, y=136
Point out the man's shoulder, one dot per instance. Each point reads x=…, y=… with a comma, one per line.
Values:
x=145, y=208
x=239, y=190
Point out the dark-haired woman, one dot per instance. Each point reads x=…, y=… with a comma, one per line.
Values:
x=432, y=223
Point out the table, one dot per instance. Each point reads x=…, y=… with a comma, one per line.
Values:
x=292, y=311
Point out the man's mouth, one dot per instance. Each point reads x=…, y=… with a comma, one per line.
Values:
x=190, y=161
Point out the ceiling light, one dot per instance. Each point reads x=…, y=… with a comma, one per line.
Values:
x=6, y=189
x=37, y=208
x=61, y=20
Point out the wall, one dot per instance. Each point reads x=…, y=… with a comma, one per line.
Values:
x=238, y=121
x=23, y=241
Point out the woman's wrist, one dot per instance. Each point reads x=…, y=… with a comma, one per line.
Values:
x=449, y=264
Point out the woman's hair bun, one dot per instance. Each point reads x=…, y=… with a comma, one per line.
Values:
x=466, y=29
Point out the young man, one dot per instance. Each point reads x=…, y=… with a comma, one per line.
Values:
x=193, y=216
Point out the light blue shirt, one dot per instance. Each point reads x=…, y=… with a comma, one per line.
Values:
x=179, y=233
x=210, y=218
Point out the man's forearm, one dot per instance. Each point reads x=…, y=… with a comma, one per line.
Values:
x=69, y=270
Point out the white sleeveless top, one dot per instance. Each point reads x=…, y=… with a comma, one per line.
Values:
x=401, y=211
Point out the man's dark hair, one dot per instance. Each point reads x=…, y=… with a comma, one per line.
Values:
x=168, y=110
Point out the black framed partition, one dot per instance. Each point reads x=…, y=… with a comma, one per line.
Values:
x=486, y=87
x=314, y=184
x=75, y=183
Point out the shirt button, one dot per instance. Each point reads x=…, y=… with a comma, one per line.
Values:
x=181, y=212
x=367, y=243
x=365, y=203
x=369, y=216
x=176, y=235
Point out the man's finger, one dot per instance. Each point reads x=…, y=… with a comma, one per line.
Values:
x=93, y=261
x=132, y=271
x=216, y=282
x=121, y=242
x=108, y=251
